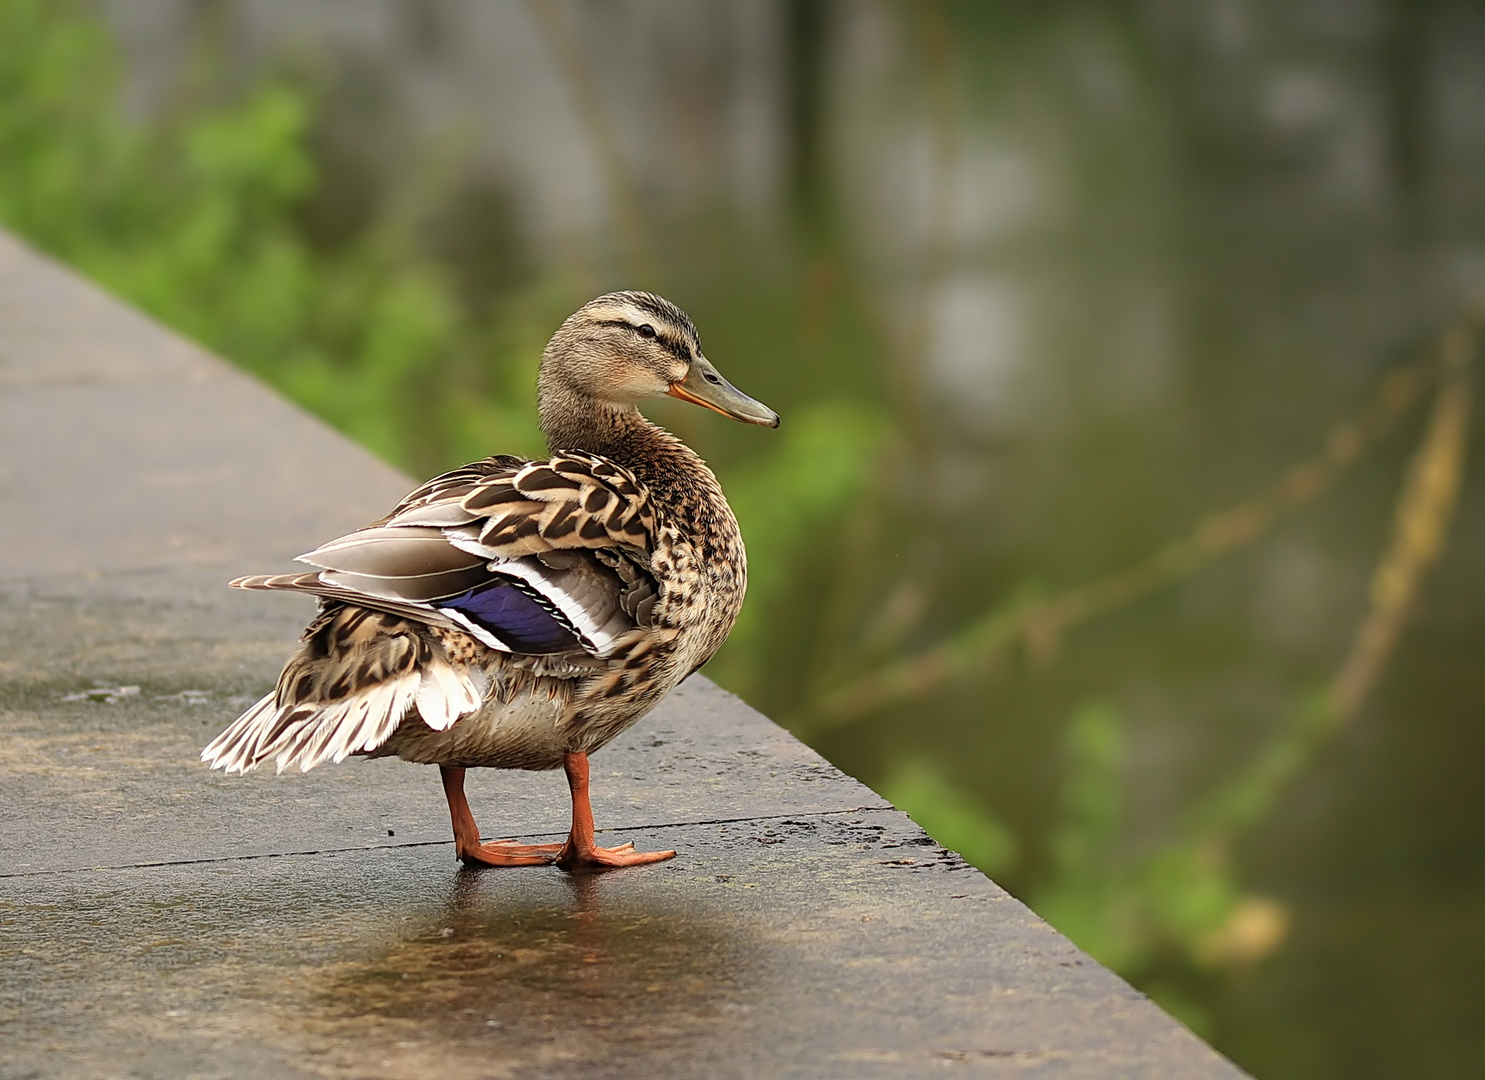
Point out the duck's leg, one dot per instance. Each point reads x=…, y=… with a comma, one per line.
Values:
x=580, y=851
x=467, y=834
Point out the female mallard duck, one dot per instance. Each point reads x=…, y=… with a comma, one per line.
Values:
x=520, y=614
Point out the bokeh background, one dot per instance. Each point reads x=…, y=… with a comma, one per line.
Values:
x=1124, y=525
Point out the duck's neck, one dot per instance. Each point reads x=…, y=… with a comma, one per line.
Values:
x=623, y=435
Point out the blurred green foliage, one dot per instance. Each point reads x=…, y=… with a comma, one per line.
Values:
x=196, y=217
x=785, y=501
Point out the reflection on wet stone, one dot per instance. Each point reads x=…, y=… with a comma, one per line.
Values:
x=591, y=973
x=354, y=962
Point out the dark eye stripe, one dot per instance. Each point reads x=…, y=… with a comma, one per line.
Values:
x=677, y=348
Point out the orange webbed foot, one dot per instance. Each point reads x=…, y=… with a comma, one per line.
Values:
x=580, y=853
x=509, y=853
x=598, y=858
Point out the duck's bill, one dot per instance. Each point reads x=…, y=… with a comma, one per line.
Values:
x=704, y=385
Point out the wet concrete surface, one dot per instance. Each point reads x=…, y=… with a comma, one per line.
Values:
x=824, y=945
x=159, y=920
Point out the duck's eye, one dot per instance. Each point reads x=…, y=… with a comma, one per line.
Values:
x=646, y=331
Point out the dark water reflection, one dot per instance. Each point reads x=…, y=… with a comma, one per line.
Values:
x=1036, y=288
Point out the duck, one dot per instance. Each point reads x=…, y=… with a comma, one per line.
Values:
x=521, y=614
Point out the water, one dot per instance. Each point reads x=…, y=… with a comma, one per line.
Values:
x=1036, y=289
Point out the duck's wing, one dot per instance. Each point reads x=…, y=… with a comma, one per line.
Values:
x=529, y=557
x=546, y=561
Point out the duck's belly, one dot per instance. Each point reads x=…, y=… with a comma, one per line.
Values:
x=543, y=720
x=526, y=732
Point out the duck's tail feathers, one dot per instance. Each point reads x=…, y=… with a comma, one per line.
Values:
x=305, y=735
x=357, y=675
x=234, y=749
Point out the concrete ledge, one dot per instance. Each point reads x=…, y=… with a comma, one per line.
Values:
x=160, y=920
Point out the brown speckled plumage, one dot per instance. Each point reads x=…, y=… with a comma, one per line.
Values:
x=510, y=613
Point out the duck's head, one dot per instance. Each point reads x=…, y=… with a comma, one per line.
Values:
x=626, y=347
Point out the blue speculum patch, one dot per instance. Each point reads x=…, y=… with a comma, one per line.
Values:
x=515, y=617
